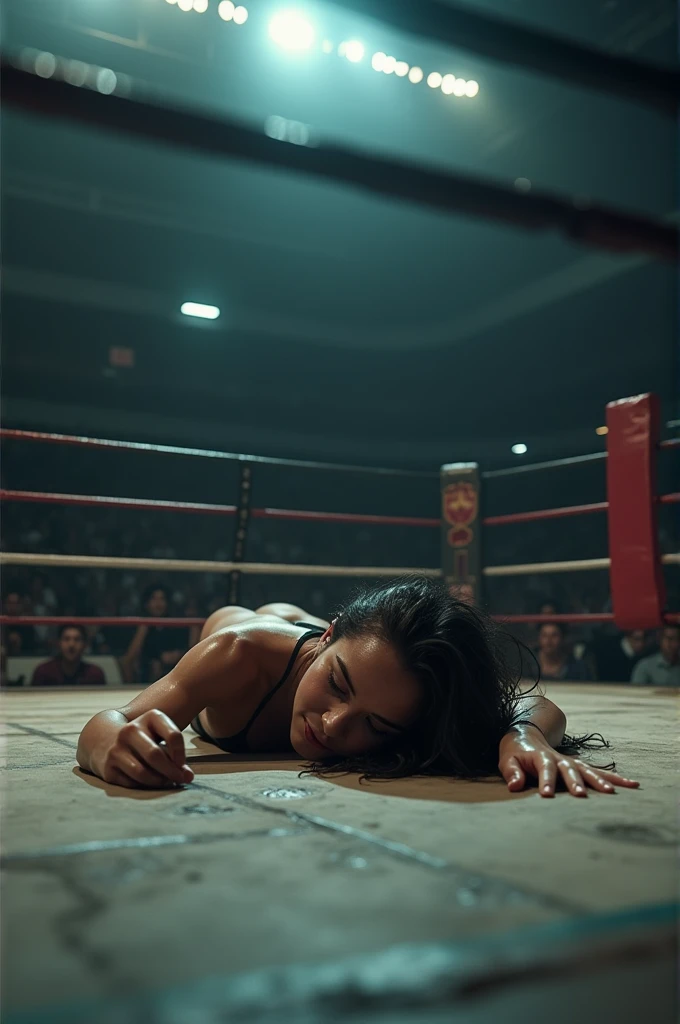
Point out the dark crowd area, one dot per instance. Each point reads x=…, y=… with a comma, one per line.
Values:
x=581, y=653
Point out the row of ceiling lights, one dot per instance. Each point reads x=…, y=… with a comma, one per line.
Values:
x=293, y=32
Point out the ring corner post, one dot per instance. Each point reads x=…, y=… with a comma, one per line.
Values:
x=636, y=575
x=461, y=530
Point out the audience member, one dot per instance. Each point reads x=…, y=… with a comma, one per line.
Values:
x=68, y=667
x=663, y=668
x=17, y=640
x=617, y=656
x=553, y=656
x=154, y=650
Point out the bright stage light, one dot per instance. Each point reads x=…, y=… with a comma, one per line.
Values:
x=327, y=46
x=106, y=81
x=45, y=65
x=240, y=15
x=226, y=10
x=76, y=72
x=448, y=84
x=200, y=310
x=434, y=80
x=200, y=6
x=389, y=65
x=459, y=87
x=601, y=431
x=354, y=51
x=519, y=449
x=401, y=69
x=185, y=5
x=415, y=75
x=471, y=89
x=378, y=61
x=291, y=31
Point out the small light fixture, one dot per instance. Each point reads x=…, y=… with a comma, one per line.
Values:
x=601, y=431
x=519, y=449
x=200, y=310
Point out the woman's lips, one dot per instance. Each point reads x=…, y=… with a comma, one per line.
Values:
x=311, y=736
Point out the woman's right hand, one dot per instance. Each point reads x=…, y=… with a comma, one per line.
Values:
x=147, y=753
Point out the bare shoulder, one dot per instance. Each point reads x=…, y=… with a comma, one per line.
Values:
x=225, y=667
x=264, y=639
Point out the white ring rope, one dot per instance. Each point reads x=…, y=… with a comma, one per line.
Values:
x=192, y=565
x=283, y=569
x=531, y=568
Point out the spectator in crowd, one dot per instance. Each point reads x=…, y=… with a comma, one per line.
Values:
x=17, y=640
x=154, y=650
x=663, y=668
x=68, y=667
x=553, y=656
x=43, y=602
x=617, y=656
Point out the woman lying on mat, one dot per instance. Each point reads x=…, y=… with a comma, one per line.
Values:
x=407, y=680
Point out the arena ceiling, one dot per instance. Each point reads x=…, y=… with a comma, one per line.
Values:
x=348, y=322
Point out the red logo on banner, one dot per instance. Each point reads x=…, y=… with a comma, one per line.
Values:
x=460, y=509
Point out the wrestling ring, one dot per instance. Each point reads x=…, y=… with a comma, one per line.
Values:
x=258, y=896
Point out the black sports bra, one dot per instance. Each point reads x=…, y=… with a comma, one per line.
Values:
x=238, y=744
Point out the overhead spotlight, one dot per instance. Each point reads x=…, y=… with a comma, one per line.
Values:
x=171, y=1
x=185, y=5
x=327, y=46
x=200, y=6
x=76, y=72
x=415, y=75
x=45, y=65
x=291, y=30
x=519, y=449
x=601, y=431
x=200, y=310
x=240, y=15
x=471, y=89
x=378, y=60
x=459, y=87
x=226, y=10
x=434, y=80
x=106, y=81
x=448, y=84
x=401, y=69
x=354, y=51
x=522, y=184
x=389, y=65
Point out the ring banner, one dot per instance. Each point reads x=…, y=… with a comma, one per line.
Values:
x=461, y=528
x=241, y=534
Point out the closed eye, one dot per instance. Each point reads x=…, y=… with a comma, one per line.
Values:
x=334, y=686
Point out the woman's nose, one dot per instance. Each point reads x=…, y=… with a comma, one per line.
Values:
x=333, y=720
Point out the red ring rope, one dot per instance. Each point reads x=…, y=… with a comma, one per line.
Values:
x=578, y=618
x=91, y=500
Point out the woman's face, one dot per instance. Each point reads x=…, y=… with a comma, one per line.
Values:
x=353, y=699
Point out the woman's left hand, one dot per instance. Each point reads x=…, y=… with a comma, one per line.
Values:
x=524, y=752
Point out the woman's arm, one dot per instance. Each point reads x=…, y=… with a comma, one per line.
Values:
x=124, y=746
x=544, y=715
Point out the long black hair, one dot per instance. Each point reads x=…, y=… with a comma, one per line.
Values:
x=469, y=669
